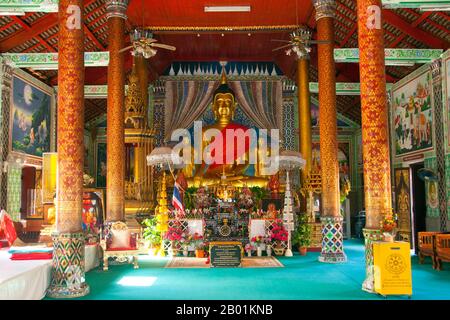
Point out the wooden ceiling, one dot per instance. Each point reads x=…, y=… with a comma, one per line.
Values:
x=404, y=28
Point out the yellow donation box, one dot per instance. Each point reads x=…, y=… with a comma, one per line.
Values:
x=392, y=268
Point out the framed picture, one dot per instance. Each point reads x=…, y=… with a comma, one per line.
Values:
x=100, y=165
x=412, y=108
x=32, y=124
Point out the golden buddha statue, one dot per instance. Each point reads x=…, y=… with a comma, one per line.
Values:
x=223, y=173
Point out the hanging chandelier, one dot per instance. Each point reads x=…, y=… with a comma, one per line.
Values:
x=141, y=40
x=143, y=44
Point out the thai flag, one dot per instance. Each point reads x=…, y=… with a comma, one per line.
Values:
x=176, y=200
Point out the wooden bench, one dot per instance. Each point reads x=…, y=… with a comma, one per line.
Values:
x=427, y=247
x=442, y=249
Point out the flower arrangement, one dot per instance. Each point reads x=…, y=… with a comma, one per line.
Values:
x=245, y=199
x=257, y=240
x=202, y=198
x=257, y=214
x=196, y=239
x=279, y=232
x=174, y=233
x=267, y=241
x=389, y=223
x=185, y=240
x=248, y=247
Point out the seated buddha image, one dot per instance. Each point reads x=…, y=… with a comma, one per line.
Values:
x=240, y=170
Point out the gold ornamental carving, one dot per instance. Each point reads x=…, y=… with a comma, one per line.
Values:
x=134, y=103
x=162, y=29
x=325, y=9
x=116, y=8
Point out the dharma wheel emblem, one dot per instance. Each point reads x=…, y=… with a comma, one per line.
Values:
x=225, y=229
x=395, y=264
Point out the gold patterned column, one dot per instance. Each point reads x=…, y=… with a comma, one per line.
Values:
x=304, y=114
x=332, y=236
x=68, y=241
x=115, y=137
x=375, y=132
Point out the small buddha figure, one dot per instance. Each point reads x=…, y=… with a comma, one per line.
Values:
x=274, y=186
x=218, y=172
x=272, y=211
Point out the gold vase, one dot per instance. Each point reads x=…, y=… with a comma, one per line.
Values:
x=279, y=250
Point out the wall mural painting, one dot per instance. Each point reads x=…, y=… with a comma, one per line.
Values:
x=30, y=117
x=403, y=203
x=413, y=115
x=100, y=177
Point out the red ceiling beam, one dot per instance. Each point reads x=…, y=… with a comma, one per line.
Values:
x=414, y=24
x=92, y=12
x=349, y=35
x=34, y=30
x=6, y=26
x=96, y=19
x=431, y=22
x=32, y=47
x=422, y=36
x=27, y=28
x=91, y=36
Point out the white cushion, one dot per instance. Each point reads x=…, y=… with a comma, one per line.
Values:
x=120, y=238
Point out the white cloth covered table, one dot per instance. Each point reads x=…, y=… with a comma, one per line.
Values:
x=91, y=257
x=23, y=279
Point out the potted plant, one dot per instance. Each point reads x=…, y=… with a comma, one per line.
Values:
x=258, y=194
x=278, y=234
x=302, y=235
x=258, y=240
x=189, y=198
x=152, y=235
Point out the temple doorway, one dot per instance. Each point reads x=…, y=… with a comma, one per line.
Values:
x=419, y=207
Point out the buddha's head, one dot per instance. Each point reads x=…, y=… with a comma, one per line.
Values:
x=224, y=103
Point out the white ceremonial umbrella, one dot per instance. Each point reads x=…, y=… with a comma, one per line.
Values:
x=289, y=160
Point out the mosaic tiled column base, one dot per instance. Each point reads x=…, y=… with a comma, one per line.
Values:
x=68, y=266
x=370, y=235
x=332, y=240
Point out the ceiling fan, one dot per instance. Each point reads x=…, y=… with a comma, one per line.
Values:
x=143, y=43
x=300, y=43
